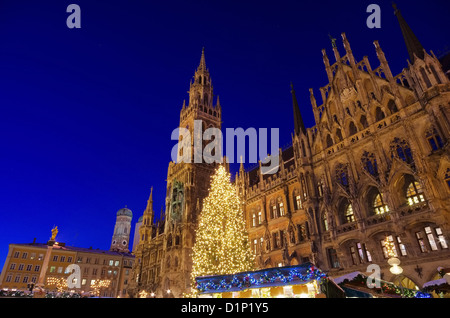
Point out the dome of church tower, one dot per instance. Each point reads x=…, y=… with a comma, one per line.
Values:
x=125, y=211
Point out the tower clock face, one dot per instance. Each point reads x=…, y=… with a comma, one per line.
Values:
x=114, y=242
x=124, y=243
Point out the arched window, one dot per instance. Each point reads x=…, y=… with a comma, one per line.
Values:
x=352, y=129
x=414, y=193
x=281, y=208
x=434, y=139
x=339, y=134
x=254, y=219
x=379, y=114
x=325, y=222
x=260, y=217
x=273, y=210
x=369, y=163
x=291, y=235
x=363, y=121
x=400, y=149
x=436, y=76
x=320, y=188
x=304, y=188
x=392, y=106
x=329, y=141
x=342, y=175
x=297, y=200
x=379, y=206
x=169, y=240
x=349, y=215
x=303, y=148
x=425, y=77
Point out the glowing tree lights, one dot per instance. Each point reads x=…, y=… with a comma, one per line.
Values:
x=221, y=245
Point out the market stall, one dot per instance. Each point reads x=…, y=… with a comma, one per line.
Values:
x=301, y=281
x=355, y=286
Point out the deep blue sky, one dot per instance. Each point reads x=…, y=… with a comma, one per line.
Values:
x=86, y=114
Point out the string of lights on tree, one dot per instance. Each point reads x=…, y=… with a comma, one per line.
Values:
x=221, y=243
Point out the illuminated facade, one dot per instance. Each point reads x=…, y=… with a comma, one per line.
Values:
x=375, y=165
x=25, y=263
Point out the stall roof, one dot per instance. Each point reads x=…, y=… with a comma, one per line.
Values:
x=270, y=277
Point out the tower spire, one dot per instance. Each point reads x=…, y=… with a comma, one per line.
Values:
x=298, y=120
x=202, y=65
x=414, y=47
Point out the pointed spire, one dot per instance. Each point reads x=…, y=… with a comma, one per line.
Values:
x=202, y=65
x=241, y=167
x=414, y=47
x=298, y=120
x=218, y=103
x=149, y=208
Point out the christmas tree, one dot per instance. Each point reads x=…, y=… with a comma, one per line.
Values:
x=221, y=245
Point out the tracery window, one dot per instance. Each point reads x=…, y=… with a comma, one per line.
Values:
x=379, y=206
x=434, y=139
x=414, y=193
x=369, y=163
x=342, y=175
x=349, y=215
x=401, y=149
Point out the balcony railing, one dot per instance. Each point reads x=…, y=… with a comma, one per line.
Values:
x=378, y=218
x=347, y=227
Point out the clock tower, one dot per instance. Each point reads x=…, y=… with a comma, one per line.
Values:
x=187, y=186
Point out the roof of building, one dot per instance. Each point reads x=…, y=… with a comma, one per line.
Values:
x=62, y=246
x=125, y=211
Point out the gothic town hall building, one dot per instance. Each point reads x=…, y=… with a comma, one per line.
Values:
x=375, y=165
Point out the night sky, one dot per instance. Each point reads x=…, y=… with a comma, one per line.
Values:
x=87, y=114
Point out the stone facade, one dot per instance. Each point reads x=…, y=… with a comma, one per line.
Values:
x=375, y=165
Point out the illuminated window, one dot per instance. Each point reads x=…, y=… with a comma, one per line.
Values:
x=401, y=246
x=320, y=188
x=414, y=193
x=431, y=239
x=254, y=219
x=274, y=212
x=379, y=206
x=349, y=215
x=281, y=207
x=325, y=222
x=389, y=248
x=421, y=241
x=259, y=217
x=434, y=237
x=441, y=238
x=298, y=201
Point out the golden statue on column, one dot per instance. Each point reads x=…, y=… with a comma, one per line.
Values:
x=54, y=233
